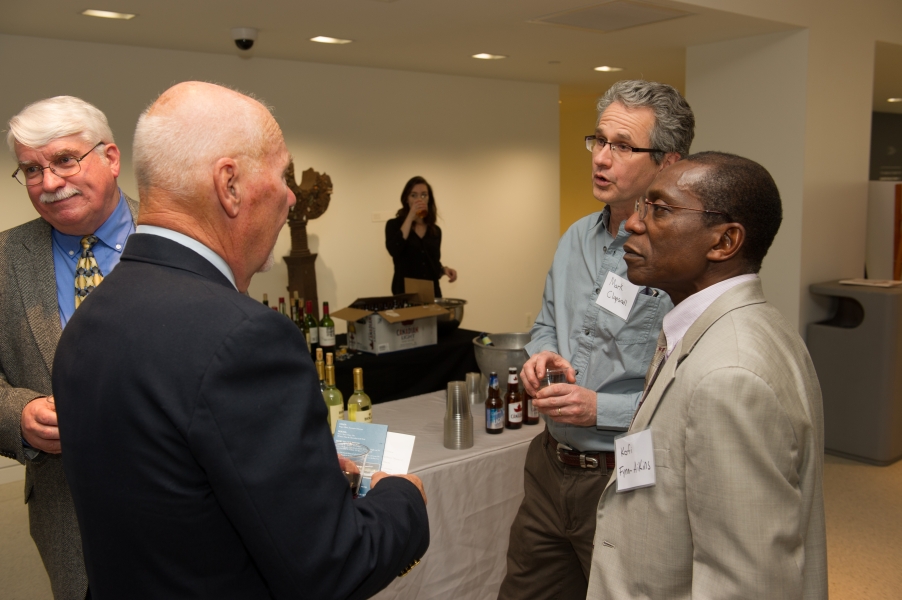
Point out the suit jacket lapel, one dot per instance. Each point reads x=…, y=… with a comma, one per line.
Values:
x=36, y=278
x=737, y=297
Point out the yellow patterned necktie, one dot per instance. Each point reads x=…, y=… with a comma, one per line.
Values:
x=87, y=273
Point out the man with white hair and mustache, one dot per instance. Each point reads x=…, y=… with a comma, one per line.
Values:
x=68, y=163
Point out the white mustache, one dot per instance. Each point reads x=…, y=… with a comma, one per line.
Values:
x=61, y=194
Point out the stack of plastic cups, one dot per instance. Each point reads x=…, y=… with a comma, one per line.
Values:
x=458, y=419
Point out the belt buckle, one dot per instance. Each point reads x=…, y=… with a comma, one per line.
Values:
x=585, y=462
x=560, y=447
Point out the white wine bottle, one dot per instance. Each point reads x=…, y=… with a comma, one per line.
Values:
x=320, y=369
x=332, y=396
x=360, y=407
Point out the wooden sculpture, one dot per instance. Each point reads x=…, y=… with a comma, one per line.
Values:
x=313, y=195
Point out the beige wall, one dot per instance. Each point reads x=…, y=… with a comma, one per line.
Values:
x=489, y=148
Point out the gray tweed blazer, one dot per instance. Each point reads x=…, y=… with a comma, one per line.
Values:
x=29, y=331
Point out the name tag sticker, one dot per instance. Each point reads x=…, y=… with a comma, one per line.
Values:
x=617, y=295
x=634, y=457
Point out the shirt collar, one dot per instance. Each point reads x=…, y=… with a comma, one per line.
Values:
x=112, y=234
x=604, y=218
x=192, y=244
x=678, y=321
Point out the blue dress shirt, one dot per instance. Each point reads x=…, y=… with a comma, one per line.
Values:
x=610, y=355
x=111, y=238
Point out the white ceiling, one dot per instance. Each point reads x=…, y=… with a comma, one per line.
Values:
x=417, y=35
x=426, y=35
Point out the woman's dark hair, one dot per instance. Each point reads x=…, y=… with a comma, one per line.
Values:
x=432, y=215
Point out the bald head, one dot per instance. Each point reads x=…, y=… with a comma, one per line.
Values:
x=210, y=164
x=190, y=126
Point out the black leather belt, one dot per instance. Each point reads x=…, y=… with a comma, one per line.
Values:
x=583, y=460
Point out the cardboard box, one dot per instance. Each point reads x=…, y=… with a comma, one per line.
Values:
x=392, y=329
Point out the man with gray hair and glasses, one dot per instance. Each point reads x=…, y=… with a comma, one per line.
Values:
x=68, y=163
x=601, y=331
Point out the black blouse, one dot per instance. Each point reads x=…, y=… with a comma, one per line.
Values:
x=415, y=257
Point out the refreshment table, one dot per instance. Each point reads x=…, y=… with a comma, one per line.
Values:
x=408, y=373
x=473, y=497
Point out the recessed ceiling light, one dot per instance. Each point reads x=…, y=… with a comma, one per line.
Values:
x=323, y=39
x=894, y=99
x=485, y=56
x=106, y=14
x=607, y=69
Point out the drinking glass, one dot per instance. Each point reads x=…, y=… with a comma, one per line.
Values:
x=353, y=470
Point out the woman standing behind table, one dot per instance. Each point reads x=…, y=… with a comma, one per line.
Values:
x=414, y=240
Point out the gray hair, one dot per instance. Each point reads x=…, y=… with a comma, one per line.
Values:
x=174, y=149
x=674, y=125
x=43, y=121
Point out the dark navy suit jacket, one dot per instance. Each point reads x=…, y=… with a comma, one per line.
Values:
x=197, y=450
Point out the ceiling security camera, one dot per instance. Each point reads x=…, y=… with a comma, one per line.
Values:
x=244, y=37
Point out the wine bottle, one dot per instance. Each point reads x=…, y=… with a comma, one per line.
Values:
x=282, y=306
x=302, y=324
x=265, y=300
x=320, y=369
x=332, y=395
x=360, y=407
x=327, y=330
x=313, y=326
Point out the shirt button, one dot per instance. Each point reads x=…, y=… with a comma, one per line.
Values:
x=71, y=252
x=605, y=249
x=597, y=290
x=118, y=246
x=588, y=332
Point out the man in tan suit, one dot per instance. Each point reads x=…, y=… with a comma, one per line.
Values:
x=68, y=164
x=735, y=508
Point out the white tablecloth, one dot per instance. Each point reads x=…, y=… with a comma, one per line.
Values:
x=473, y=497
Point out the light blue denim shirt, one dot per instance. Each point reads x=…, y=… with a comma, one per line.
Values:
x=111, y=238
x=611, y=355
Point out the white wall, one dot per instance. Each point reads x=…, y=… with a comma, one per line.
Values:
x=836, y=125
x=489, y=148
x=749, y=98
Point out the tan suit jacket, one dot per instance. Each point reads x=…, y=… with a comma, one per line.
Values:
x=737, y=510
x=29, y=331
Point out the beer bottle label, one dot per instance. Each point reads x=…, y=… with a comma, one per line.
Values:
x=515, y=412
x=494, y=418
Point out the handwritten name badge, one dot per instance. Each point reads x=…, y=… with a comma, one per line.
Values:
x=634, y=457
x=617, y=295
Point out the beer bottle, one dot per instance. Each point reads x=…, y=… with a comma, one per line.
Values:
x=313, y=326
x=513, y=416
x=320, y=369
x=360, y=407
x=494, y=407
x=327, y=330
x=532, y=413
x=332, y=396
x=265, y=300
